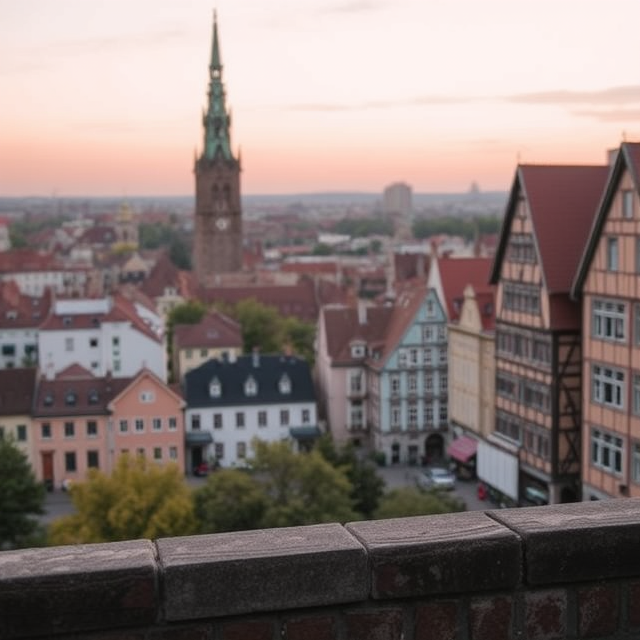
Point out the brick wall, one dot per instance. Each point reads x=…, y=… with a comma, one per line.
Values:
x=565, y=571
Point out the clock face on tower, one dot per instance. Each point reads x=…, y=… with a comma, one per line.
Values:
x=222, y=223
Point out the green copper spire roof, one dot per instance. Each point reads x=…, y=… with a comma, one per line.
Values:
x=216, y=120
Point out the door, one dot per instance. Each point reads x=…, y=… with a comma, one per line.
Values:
x=47, y=470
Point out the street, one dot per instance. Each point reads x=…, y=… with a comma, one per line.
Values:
x=58, y=502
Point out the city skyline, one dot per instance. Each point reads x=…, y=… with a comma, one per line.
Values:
x=326, y=95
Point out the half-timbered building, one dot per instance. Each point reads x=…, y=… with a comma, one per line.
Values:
x=608, y=282
x=538, y=334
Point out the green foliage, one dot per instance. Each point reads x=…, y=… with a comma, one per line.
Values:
x=302, y=488
x=412, y=501
x=190, y=312
x=231, y=500
x=20, y=230
x=180, y=253
x=138, y=500
x=265, y=328
x=361, y=227
x=451, y=225
x=367, y=485
x=21, y=498
x=154, y=236
x=322, y=249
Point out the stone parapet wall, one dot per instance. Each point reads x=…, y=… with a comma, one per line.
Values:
x=565, y=571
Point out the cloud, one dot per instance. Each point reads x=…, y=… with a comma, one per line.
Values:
x=416, y=101
x=629, y=94
x=613, y=115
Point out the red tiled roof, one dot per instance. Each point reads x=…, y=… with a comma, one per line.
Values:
x=456, y=274
x=17, y=388
x=214, y=330
x=24, y=260
x=487, y=308
x=562, y=202
x=163, y=274
x=18, y=311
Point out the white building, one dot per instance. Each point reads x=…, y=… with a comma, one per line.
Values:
x=229, y=403
x=107, y=335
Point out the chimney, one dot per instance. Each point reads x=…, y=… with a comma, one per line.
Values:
x=362, y=312
x=255, y=357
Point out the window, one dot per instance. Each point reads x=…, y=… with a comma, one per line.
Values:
x=215, y=388
x=21, y=430
x=608, y=320
x=217, y=421
x=428, y=383
x=443, y=413
x=521, y=297
x=428, y=333
x=219, y=450
x=428, y=413
x=356, y=414
x=306, y=416
x=188, y=354
x=45, y=431
x=284, y=386
x=635, y=462
x=92, y=429
x=93, y=396
x=173, y=453
x=204, y=353
x=116, y=365
x=239, y=420
x=139, y=424
x=70, y=398
x=284, y=417
x=93, y=342
x=241, y=450
x=413, y=383
x=612, y=254
x=69, y=430
x=92, y=460
x=195, y=421
x=607, y=386
x=442, y=356
x=147, y=396
x=173, y=423
x=140, y=452
x=521, y=248
x=402, y=358
x=413, y=357
x=444, y=383
x=395, y=384
x=442, y=333
x=124, y=426
x=396, y=417
x=355, y=382
x=606, y=451
x=70, y=461
x=262, y=418
x=250, y=386
x=157, y=453
x=509, y=425
x=627, y=204
x=426, y=356
x=68, y=344
x=413, y=416
x=115, y=341
x=156, y=424
x=8, y=350
x=636, y=394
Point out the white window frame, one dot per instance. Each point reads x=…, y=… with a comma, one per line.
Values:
x=609, y=320
x=607, y=386
x=607, y=451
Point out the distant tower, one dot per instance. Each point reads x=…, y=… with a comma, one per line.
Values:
x=126, y=228
x=397, y=200
x=218, y=215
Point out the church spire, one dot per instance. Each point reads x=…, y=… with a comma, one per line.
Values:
x=216, y=120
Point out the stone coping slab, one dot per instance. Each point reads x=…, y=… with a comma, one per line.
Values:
x=270, y=569
x=579, y=541
x=437, y=554
x=77, y=588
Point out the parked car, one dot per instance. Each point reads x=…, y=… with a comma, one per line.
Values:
x=202, y=469
x=437, y=478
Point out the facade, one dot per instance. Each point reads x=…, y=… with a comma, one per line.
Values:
x=538, y=335
x=397, y=199
x=472, y=376
x=218, y=215
x=268, y=397
x=17, y=387
x=607, y=284
x=216, y=336
x=107, y=335
x=146, y=419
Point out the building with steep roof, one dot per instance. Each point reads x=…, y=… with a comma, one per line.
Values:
x=607, y=283
x=215, y=336
x=534, y=455
x=17, y=389
x=229, y=403
x=108, y=335
x=218, y=213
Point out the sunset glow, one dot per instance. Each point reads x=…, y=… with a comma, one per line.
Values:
x=106, y=98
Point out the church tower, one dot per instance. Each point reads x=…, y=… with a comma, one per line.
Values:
x=218, y=215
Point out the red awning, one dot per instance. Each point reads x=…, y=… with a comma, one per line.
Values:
x=463, y=448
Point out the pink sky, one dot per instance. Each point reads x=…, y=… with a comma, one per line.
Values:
x=106, y=98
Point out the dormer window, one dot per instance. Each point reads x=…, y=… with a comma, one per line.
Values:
x=93, y=396
x=358, y=350
x=48, y=400
x=11, y=315
x=284, y=386
x=70, y=398
x=250, y=386
x=66, y=321
x=215, y=388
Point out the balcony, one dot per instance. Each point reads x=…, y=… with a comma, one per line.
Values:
x=443, y=576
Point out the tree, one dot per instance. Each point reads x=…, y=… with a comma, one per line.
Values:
x=21, y=498
x=138, y=500
x=261, y=326
x=302, y=488
x=412, y=501
x=367, y=485
x=300, y=336
x=231, y=500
